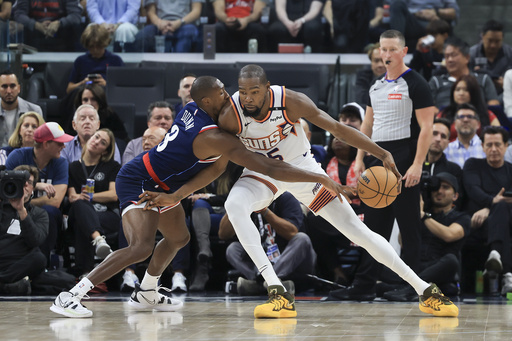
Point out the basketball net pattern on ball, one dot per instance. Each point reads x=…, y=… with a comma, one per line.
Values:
x=377, y=187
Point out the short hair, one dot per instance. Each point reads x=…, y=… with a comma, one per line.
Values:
x=458, y=43
x=202, y=87
x=253, y=71
x=160, y=104
x=393, y=34
x=187, y=75
x=111, y=147
x=95, y=35
x=443, y=121
x=370, y=48
x=98, y=92
x=31, y=169
x=438, y=26
x=467, y=106
x=493, y=130
x=15, y=138
x=84, y=106
x=7, y=72
x=492, y=25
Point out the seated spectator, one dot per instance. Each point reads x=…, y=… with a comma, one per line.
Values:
x=296, y=22
x=317, y=150
x=411, y=17
x=207, y=211
x=173, y=19
x=467, y=144
x=466, y=90
x=436, y=161
x=507, y=93
x=52, y=26
x=427, y=58
x=23, y=228
x=184, y=91
x=5, y=14
x=94, y=95
x=119, y=17
x=486, y=181
x=86, y=122
x=351, y=114
x=237, y=22
x=53, y=175
x=91, y=67
x=92, y=215
x=443, y=231
x=365, y=77
x=23, y=135
x=288, y=248
x=12, y=106
x=490, y=55
x=456, y=55
x=348, y=21
x=160, y=114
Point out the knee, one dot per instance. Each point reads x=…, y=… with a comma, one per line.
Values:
x=302, y=239
x=39, y=261
x=139, y=252
x=183, y=241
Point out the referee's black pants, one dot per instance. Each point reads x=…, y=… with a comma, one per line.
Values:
x=405, y=209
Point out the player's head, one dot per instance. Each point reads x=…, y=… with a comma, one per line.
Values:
x=253, y=88
x=209, y=94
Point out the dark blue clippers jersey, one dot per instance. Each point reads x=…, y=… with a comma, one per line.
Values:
x=172, y=163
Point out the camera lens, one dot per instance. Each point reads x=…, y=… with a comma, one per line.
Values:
x=10, y=189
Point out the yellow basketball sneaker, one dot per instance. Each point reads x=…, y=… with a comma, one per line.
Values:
x=434, y=302
x=280, y=304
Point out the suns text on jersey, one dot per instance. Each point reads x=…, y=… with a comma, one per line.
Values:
x=270, y=141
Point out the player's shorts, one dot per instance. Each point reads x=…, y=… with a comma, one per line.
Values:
x=313, y=195
x=128, y=190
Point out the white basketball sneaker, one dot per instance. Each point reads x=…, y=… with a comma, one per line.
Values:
x=152, y=299
x=69, y=305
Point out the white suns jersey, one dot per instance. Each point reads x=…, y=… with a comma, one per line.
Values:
x=275, y=136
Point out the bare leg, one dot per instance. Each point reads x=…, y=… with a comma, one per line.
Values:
x=174, y=229
x=140, y=229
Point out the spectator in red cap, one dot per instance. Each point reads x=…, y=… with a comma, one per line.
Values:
x=53, y=172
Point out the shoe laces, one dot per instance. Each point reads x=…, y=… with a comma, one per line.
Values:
x=438, y=299
x=97, y=240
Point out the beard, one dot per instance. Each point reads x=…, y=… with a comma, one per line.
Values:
x=253, y=114
x=10, y=102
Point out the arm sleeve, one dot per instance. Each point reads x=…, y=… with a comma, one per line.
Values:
x=93, y=12
x=132, y=12
x=73, y=14
x=34, y=228
x=473, y=184
x=61, y=172
x=420, y=92
x=21, y=14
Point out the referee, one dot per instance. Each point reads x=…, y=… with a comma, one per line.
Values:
x=399, y=118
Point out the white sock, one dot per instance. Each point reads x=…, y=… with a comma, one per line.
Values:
x=82, y=287
x=149, y=282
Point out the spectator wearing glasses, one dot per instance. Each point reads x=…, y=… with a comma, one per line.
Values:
x=467, y=144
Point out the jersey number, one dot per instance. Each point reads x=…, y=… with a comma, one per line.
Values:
x=271, y=154
x=170, y=136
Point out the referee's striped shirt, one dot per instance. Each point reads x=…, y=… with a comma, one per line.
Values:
x=394, y=103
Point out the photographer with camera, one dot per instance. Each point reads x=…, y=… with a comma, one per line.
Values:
x=53, y=169
x=23, y=228
x=443, y=231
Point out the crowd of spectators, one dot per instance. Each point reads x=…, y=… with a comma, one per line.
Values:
x=466, y=183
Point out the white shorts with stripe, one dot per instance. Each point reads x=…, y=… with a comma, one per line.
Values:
x=266, y=189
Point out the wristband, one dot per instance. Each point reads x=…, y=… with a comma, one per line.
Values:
x=426, y=216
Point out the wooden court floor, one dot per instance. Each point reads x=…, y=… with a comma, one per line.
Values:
x=230, y=318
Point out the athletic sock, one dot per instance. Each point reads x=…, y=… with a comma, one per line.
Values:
x=82, y=287
x=149, y=282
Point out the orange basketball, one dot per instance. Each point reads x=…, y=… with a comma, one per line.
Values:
x=377, y=187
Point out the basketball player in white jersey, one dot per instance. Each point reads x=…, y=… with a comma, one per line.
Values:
x=266, y=119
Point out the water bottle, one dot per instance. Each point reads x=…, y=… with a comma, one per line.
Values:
x=253, y=45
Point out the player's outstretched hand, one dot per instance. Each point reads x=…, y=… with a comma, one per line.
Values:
x=389, y=163
x=337, y=189
x=156, y=199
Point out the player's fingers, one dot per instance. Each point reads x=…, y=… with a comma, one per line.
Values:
x=345, y=194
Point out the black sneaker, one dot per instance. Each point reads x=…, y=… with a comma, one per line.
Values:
x=18, y=288
x=405, y=294
x=353, y=294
